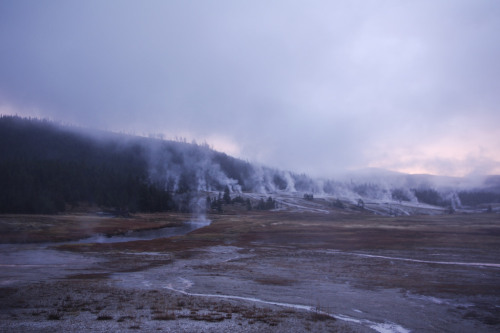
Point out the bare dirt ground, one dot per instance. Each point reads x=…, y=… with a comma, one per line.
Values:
x=253, y=271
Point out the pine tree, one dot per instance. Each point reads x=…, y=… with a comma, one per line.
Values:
x=227, y=196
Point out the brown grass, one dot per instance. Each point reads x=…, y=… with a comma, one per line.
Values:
x=355, y=231
x=88, y=276
x=56, y=228
x=273, y=237
x=104, y=317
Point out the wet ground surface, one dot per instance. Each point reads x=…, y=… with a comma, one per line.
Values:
x=272, y=281
x=327, y=281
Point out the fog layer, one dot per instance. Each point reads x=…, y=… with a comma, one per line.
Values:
x=315, y=88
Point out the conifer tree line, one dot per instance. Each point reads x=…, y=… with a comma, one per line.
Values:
x=48, y=168
x=45, y=169
x=217, y=203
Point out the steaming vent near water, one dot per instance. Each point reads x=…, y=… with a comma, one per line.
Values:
x=166, y=232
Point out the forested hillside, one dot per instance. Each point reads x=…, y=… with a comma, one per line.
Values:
x=45, y=167
x=48, y=168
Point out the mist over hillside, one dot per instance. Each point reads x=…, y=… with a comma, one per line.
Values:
x=48, y=168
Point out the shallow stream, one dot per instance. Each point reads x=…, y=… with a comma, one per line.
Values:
x=166, y=232
x=32, y=262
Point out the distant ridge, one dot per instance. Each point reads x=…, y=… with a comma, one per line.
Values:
x=47, y=168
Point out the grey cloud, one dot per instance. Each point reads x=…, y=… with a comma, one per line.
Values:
x=308, y=87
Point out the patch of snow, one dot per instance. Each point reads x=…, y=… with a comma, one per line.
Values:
x=438, y=301
x=475, y=264
x=379, y=327
x=430, y=261
x=389, y=328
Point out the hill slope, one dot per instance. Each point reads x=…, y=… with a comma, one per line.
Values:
x=45, y=167
x=48, y=168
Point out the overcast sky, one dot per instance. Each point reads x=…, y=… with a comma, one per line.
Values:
x=308, y=86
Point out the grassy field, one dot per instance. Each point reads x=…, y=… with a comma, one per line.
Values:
x=420, y=273
x=68, y=227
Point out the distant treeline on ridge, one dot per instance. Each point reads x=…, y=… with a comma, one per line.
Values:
x=48, y=168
